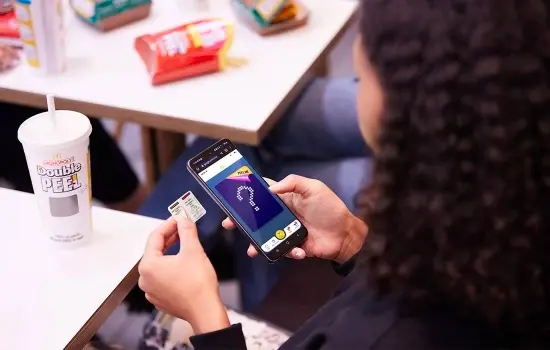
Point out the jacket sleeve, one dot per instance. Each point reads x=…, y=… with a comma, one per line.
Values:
x=230, y=338
x=345, y=268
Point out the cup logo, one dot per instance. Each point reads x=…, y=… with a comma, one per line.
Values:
x=57, y=159
x=60, y=176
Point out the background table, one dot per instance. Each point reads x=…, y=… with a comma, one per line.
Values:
x=106, y=78
x=51, y=299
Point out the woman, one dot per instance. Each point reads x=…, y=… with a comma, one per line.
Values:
x=454, y=97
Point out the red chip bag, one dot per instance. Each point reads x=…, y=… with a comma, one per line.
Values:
x=189, y=50
x=9, y=29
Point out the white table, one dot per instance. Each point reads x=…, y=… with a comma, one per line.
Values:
x=107, y=79
x=52, y=299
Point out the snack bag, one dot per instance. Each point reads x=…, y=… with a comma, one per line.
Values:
x=192, y=49
x=9, y=29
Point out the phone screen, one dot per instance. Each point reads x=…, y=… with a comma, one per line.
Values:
x=246, y=196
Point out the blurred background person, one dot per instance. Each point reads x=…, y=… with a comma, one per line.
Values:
x=114, y=182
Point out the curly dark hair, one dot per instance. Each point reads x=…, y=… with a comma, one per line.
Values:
x=459, y=205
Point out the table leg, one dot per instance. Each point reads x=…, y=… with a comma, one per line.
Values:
x=160, y=150
x=149, y=149
x=169, y=147
x=119, y=127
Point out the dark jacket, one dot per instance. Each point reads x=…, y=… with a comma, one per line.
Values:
x=356, y=319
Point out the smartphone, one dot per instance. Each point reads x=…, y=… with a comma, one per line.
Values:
x=245, y=197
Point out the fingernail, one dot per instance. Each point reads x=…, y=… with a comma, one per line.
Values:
x=299, y=254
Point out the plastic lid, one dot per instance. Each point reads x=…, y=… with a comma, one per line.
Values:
x=38, y=131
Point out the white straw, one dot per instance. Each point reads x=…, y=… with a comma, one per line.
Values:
x=51, y=108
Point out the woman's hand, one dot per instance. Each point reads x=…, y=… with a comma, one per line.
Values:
x=183, y=285
x=334, y=232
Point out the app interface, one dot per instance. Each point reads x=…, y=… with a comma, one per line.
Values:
x=248, y=198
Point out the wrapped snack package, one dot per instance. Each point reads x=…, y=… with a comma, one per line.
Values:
x=192, y=49
x=9, y=29
x=271, y=16
x=269, y=12
x=106, y=15
x=266, y=10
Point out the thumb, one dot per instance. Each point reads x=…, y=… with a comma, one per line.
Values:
x=187, y=231
x=292, y=184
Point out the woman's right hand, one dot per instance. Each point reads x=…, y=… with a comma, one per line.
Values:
x=334, y=233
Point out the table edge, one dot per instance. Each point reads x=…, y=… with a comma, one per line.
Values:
x=152, y=120
x=304, y=80
x=104, y=311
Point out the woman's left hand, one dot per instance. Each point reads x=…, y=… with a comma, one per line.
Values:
x=183, y=285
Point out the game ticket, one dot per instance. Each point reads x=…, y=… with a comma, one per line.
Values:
x=189, y=206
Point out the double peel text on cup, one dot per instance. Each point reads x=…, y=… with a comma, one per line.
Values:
x=63, y=180
x=60, y=180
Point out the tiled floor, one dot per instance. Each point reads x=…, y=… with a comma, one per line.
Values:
x=124, y=328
